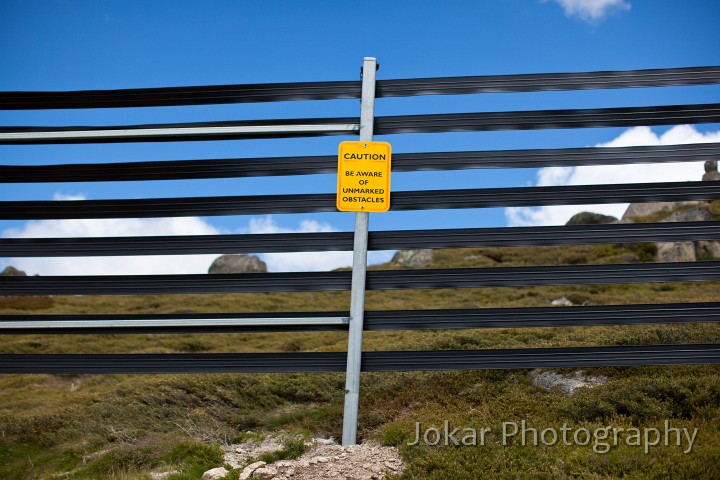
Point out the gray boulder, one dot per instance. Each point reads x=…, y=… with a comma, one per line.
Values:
x=238, y=264
x=711, y=171
x=676, y=252
x=413, y=258
x=215, y=473
x=590, y=218
x=11, y=271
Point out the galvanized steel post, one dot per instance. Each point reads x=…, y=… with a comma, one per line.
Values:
x=357, y=296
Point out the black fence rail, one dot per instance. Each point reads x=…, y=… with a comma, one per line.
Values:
x=376, y=280
x=308, y=165
x=280, y=92
x=343, y=241
x=706, y=312
x=372, y=361
x=312, y=127
x=325, y=202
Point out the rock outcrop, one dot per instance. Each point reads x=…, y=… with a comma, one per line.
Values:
x=698, y=213
x=636, y=210
x=707, y=248
x=688, y=251
x=413, y=258
x=694, y=211
x=590, y=218
x=238, y=264
x=11, y=271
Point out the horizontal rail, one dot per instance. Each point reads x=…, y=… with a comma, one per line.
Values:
x=413, y=200
x=343, y=241
x=376, y=280
x=287, y=128
x=540, y=82
x=697, y=354
x=542, y=358
x=275, y=92
x=177, y=96
x=187, y=132
x=548, y=119
x=707, y=312
x=140, y=323
x=401, y=162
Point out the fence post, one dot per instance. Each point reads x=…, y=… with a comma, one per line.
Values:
x=357, y=296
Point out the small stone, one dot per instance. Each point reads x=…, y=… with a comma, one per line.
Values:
x=163, y=475
x=322, y=459
x=215, y=473
x=290, y=472
x=561, y=302
x=265, y=473
x=565, y=383
x=250, y=469
x=325, y=441
x=375, y=469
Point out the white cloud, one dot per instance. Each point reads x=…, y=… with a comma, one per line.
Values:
x=164, y=264
x=115, y=227
x=68, y=196
x=592, y=11
x=306, y=261
x=600, y=174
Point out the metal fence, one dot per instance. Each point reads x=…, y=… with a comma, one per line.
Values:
x=376, y=280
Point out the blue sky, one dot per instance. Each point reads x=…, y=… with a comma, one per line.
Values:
x=76, y=45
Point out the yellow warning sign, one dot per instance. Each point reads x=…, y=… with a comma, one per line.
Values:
x=363, y=177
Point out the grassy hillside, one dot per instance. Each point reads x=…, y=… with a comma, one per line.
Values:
x=124, y=426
